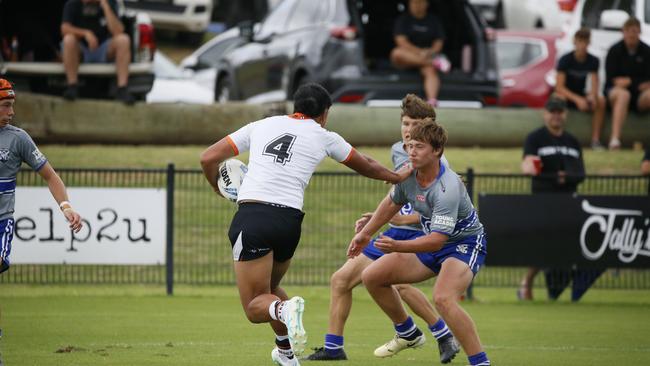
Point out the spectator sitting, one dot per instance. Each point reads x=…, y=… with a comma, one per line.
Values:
x=419, y=38
x=645, y=164
x=572, y=72
x=93, y=33
x=554, y=158
x=627, y=82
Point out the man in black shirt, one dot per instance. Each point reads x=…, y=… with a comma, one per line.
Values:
x=554, y=158
x=572, y=72
x=627, y=82
x=93, y=33
x=419, y=38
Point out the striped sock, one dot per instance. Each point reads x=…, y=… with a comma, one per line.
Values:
x=282, y=342
x=333, y=344
x=408, y=330
x=479, y=359
x=440, y=329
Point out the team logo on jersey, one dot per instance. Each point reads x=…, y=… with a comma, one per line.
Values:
x=462, y=248
x=420, y=197
x=38, y=156
x=4, y=154
x=407, y=209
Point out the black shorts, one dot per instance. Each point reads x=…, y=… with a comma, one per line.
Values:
x=259, y=228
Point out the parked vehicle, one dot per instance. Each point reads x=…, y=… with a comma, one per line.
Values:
x=203, y=63
x=527, y=67
x=36, y=63
x=345, y=45
x=524, y=14
x=176, y=85
x=190, y=17
x=605, y=19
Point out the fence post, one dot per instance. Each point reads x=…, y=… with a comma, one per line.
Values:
x=470, y=192
x=170, y=229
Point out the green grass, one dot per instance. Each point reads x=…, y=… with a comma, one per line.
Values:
x=138, y=325
x=187, y=157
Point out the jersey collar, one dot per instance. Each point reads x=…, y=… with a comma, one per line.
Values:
x=298, y=116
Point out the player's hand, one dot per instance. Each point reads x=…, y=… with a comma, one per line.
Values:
x=91, y=40
x=74, y=219
x=361, y=223
x=403, y=173
x=357, y=244
x=386, y=244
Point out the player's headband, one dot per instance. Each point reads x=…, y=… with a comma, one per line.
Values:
x=6, y=90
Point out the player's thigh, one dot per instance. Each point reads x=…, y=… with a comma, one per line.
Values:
x=454, y=278
x=643, y=103
x=253, y=277
x=278, y=272
x=616, y=94
x=396, y=268
x=349, y=275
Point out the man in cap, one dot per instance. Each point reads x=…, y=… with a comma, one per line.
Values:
x=553, y=157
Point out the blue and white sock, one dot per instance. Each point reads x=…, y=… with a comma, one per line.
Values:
x=408, y=330
x=479, y=359
x=333, y=344
x=440, y=329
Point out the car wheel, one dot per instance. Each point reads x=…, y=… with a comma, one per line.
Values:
x=223, y=89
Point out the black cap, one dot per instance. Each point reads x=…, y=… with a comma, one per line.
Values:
x=555, y=104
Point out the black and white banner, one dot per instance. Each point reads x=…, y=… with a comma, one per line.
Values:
x=565, y=230
x=120, y=226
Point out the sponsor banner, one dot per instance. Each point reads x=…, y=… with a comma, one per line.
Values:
x=120, y=226
x=566, y=230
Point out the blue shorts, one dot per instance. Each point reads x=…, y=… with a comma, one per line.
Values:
x=471, y=250
x=97, y=56
x=398, y=234
x=7, y=235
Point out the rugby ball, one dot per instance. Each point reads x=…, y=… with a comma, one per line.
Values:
x=230, y=177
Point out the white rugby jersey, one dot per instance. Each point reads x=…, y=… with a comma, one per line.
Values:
x=284, y=152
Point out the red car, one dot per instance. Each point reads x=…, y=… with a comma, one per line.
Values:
x=526, y=61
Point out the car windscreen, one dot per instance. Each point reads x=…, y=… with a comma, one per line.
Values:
x=593, y=8
x=514, y=54
x=212, y=55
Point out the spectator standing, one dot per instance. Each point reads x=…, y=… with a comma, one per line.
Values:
x=554, y=158
x=419, y=39
x=93, y=33
x=573, y=69
x=627, y=82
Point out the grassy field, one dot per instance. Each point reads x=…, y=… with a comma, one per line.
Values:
x=128, y=325
x=505, y=160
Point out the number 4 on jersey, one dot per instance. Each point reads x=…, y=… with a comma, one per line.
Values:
x=280, y=148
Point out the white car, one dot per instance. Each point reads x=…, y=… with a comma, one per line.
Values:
x=605, y=19
x=175, y=85
x=191, y=17
x=522, y=14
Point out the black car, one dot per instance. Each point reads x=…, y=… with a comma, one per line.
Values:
x=345, y=45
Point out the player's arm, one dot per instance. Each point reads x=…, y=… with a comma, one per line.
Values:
x=369, y=167
x=215, y=155
x=427, y=243
x=405, y=219
x=58, y=191
x=384, y=212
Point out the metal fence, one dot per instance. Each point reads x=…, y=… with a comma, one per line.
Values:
x=333, y=201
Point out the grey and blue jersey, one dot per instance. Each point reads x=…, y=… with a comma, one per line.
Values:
x=444, y=206
x=16, y=147
x=399, y=156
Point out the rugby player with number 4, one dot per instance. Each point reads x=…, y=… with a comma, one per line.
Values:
x=264, y=233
